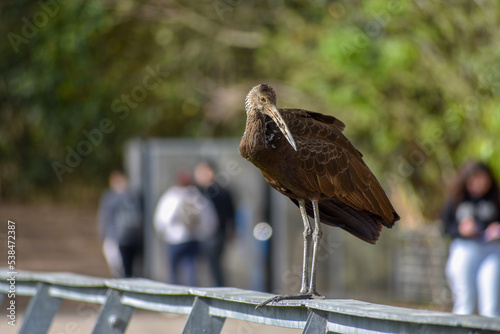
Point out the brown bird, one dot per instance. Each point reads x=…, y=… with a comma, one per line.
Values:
x=304, y=155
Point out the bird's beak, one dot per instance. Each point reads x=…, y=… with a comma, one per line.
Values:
x=278, y=119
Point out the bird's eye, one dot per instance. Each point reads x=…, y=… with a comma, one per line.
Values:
x=262, y=99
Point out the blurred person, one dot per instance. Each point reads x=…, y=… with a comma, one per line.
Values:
x=222, y=200
x=471, y=217
x=182, y=218
x=120, y=225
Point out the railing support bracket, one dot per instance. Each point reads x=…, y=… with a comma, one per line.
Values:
x=200, y=320
x=41, y=310
x=113, y=317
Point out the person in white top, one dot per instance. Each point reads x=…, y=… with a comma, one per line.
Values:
x=182, y=219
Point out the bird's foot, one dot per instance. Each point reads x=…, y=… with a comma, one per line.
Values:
x=275, y=299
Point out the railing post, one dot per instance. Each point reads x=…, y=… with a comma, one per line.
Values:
x=316, y=322
x=200, y=320
x=113, y=317
x=41, y=310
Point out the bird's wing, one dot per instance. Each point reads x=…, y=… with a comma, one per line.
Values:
x=333, y=166
x=322, y=118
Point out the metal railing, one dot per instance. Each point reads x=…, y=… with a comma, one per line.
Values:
x=209, y=307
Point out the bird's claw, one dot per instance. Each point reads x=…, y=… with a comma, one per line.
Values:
x=275, y=299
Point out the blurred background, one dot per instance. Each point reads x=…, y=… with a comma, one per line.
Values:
x=87, y=87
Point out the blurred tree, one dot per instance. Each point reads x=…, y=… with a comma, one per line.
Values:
x=416, y=83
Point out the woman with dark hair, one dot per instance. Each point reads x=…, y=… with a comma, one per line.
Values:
x=471, y=217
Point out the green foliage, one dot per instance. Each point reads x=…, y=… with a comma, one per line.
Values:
x=416, y=83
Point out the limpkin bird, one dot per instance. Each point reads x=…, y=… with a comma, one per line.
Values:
x=304, y=155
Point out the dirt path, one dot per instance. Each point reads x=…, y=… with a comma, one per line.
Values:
x=54, y=238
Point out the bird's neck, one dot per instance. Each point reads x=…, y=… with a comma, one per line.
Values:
x=255, y=126
x=254, y=136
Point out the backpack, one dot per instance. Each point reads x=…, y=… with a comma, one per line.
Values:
x=188, y=212
x=184, y=214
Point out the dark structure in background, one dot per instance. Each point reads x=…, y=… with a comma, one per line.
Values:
x=406, y=267
x=151, y=166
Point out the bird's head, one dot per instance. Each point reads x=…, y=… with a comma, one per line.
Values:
x=262, y=99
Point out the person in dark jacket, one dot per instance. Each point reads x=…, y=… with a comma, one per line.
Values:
x=120, y=225
x=471, y=216
x=222, y=200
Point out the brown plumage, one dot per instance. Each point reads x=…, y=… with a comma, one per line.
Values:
x=325, y=167
x=305, y=156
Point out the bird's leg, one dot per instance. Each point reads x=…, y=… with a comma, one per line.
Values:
x=316, y=241
x=305, y=291
x=307, y=239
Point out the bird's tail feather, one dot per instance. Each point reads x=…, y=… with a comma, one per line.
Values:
x=362, y=224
